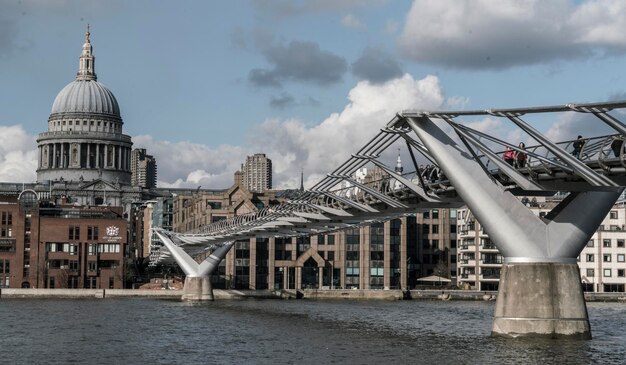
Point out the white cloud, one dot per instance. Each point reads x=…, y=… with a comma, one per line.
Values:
x=352, y=21
x=571, y=125
x=292, y=145
x=18, y=155
x=322, y=148
x=191, y=164
x=477, y=34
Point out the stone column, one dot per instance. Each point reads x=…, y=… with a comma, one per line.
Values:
x=387, y=255
x=365, y=261
x=106, y=155
x=54, y=155
x=97, y=156
x=403, y=254
x=252, y=264
x=88, y=162
x=118, y=166
x=298, y=277
x=271, y=247
x=62, y=163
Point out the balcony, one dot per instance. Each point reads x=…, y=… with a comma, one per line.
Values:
x=492, y=262
x=467, y=277
x=466, y=262
x=467, y=248
x=490, y=277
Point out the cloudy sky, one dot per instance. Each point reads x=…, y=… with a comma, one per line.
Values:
x=202, y=84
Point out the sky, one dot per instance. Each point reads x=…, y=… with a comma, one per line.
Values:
x=203, y=84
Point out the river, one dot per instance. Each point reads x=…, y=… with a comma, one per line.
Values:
x=150, y=331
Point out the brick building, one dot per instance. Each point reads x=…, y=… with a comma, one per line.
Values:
x=43, y=245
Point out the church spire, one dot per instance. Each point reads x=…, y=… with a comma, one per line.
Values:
x=399, y=168
x=302, y=180
x=87, y=63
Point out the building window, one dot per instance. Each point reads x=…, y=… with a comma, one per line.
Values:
x=590, y=257
x=74, y=233
x=607, y=273
x=435, y=228
x=606, y=243
x=330, y=255
x=591, y=273
x=435, y=213
x=330, y=239
x=620, y=257
x=613, y=214
x=320, y=239
x=620, y=273
x=590, y=243
x=606, y=257
x=620, y=243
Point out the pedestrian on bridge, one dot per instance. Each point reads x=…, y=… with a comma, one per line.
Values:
x=509, y=156
x=616, y=145
x=578, y=146
x=520, y=157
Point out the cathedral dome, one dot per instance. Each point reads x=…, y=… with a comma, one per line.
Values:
x=86, y=96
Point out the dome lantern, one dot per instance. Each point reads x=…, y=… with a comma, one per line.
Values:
x=87, y=63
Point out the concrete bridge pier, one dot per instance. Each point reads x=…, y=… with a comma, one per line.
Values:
x=197, y=285
x=540, y=292
x=541, y=299
x=197, y=288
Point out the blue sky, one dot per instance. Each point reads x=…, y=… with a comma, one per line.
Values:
x=201, y=84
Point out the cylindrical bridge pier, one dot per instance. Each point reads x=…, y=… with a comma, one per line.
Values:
x=541, y=299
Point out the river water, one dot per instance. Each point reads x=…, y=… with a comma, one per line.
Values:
x=150, y=331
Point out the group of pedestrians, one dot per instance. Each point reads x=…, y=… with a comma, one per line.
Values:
x=515, y=158
x=430, y=173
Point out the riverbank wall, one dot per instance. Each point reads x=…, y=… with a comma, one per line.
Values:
x=312, y=294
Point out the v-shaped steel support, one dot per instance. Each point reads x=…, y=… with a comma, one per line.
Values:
x=519, y=234
x=189, y=266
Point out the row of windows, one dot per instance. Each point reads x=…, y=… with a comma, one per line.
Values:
x=6, y=232
x=5, y=266
x=92, y=248
x=91, y=123
x=74, y=233
x=7, y=218
x=605, y=257
x=607, y=273
x=607, y=243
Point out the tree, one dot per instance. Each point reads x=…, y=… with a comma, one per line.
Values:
x=441, y=269
x=63, y=278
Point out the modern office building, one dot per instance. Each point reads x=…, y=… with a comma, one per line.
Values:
x=256, y=173
x=602, y=262
x=143, y=169
x=391, y=254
